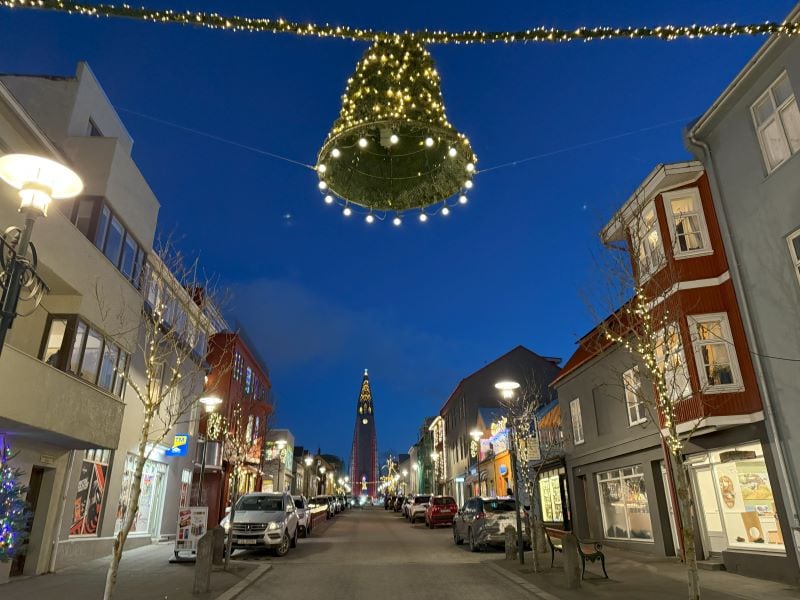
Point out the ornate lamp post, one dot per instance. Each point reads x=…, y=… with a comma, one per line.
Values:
x=210, y=403
x=507, y=390
x=38, y=181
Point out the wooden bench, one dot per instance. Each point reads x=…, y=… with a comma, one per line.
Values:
x=588, y=549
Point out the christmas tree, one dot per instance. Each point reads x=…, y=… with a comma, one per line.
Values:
x=13, y=508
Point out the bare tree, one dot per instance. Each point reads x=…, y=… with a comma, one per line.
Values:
x=648, y=319
x=168, y=370
x=535, y=448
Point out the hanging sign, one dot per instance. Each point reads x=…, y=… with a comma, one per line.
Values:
x=180, y=445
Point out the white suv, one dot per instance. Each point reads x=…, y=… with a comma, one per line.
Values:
x=416, y=510
x=264, y=520
x=303, y=515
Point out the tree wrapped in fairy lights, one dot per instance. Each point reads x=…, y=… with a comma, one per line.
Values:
x=13, y=508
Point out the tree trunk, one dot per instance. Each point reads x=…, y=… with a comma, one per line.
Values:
x=131, y=510
x=234, y=498
x=684, y=493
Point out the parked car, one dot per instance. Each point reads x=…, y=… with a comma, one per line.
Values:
x=406, y=504
x=482, y=522
x=304, y=519
x=264, y=520
x=398, y=503
x=417, y=508
x=325, y=501
x=337, y=506
x=441, y=511
x=388, y=502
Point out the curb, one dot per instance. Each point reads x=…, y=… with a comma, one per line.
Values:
x=526, y=585
x=245, y=583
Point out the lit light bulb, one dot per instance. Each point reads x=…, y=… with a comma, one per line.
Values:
x=462, y=199
x=322, y=185
x=393, y=138
x=362, y=142
x=423, y=217
x=322, y=168
x=452, y=152
x=429, y=142
x=470, y=167
x=397, y=221
x=445, y=211
x=328, y=199
x=336, y=153
x=369, y=219
x=347, y=211
x=468, y=184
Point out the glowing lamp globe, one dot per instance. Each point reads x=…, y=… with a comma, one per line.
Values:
x=392, y=147
x=39, y=180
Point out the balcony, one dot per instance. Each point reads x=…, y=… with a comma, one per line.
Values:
x=50, y=406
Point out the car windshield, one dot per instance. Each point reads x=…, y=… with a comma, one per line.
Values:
x=261, y=503
x=444, y=500
x=421, y=499
x=499, y=505
x=298, y=503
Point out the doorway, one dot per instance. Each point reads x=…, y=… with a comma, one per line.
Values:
x=32, y=498
x=713, y=529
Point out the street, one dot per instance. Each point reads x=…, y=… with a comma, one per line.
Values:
x=374, y=553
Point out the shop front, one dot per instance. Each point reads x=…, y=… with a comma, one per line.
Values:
x=554, y=497
x=147, y=521
x=737, y=506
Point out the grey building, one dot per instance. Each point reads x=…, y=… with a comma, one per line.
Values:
x=749, y=141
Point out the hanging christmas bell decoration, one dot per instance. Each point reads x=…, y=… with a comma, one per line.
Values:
x=392, y=148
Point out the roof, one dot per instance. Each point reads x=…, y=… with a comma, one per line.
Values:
x=551, y=419
x=733, y=86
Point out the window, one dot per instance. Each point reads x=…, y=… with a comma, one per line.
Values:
x=686, y=222
x=92, y=130
x=89, y=498
x=91, y=356
x=248, y=380
x=623, y=504
x=108, y=366
x=647, y=238
x=637, y=412
x=714, y=352
x=672, y=363
x=53, y=351
x=777, y=123
x=84, y=215
x=237, y=367
x=550, y=496
x=794, y=251
x=577, y=422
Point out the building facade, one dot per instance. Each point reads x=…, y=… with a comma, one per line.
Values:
x=364, y=454
x=748, y=141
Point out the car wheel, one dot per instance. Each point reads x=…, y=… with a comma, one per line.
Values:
x=412, y=519
x=430, y=525
x=304, y=531
x=456, y=540
x=293, y=543
x=283, y=549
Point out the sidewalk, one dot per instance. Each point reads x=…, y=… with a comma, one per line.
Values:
x=635, y=575
x=144, y=574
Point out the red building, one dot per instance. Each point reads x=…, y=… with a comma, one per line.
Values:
x=240, y=379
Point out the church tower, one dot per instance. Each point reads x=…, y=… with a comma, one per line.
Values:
x=364, y=460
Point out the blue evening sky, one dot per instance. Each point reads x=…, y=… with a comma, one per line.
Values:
x=421, y=306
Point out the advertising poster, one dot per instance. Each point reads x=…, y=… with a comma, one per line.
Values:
x=89, y=498
x=192, y=525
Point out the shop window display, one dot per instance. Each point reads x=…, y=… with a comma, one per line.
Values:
x=90, y=494
x=550, y=495
x=624, y=506
x=744, y=496
x=151, y=497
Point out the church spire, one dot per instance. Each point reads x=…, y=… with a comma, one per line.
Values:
x=365, y=397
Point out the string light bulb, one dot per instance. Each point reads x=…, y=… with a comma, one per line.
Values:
x=423, y=217
x=445, y=211
x=452, y=153
x=322, y=185
x=322, y=168
x=393, y=138
x=397, y=221
x=362, y=142
x=462, y=199
x=328, y=199
x=347, y=211
x=468, y=184
x=369, y=218
x=336, y=153
x=429, y=142
x=470, y=167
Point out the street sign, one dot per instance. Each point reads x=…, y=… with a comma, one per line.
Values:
x=180, y=445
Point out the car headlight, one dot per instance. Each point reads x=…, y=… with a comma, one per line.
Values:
x=275, y=525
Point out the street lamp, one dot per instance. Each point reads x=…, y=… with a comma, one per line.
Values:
x=308, y=460
x=434, y=457
x=210, y=403
x=38, y=182
x=507, y=389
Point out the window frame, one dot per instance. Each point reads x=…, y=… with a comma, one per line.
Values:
x=667, y=198
x=793, y=254
x=639, y=237
x=638, y=402
x=661, y=335
x=579, y=420
x=777, y=109
x=697, y=343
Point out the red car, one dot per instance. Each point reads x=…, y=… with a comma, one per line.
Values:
x=441, y=511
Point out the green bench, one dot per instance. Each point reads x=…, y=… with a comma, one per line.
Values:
x=587, y=549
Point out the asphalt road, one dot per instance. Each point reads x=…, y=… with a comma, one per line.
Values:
x=372, y=553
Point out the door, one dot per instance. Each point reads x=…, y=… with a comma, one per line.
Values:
x=32, y=498
x=673, y=524
x=708, y=507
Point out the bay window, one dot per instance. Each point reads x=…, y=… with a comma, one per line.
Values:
x=671, y=363
x=714, y=352
x=646, y=237
x=687, y=224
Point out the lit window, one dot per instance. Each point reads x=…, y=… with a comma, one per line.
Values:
x=672, y=363
x=686, y=222
x=777, y=122
x=577, y=421
x=248, y=381
x=623, y=504
x=647, y=238
x=714, y=352
x=637, y=413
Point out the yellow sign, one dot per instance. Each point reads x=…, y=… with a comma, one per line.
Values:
x=499, y=425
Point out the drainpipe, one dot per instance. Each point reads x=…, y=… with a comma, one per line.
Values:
x=769, y=416
x=60, y=520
